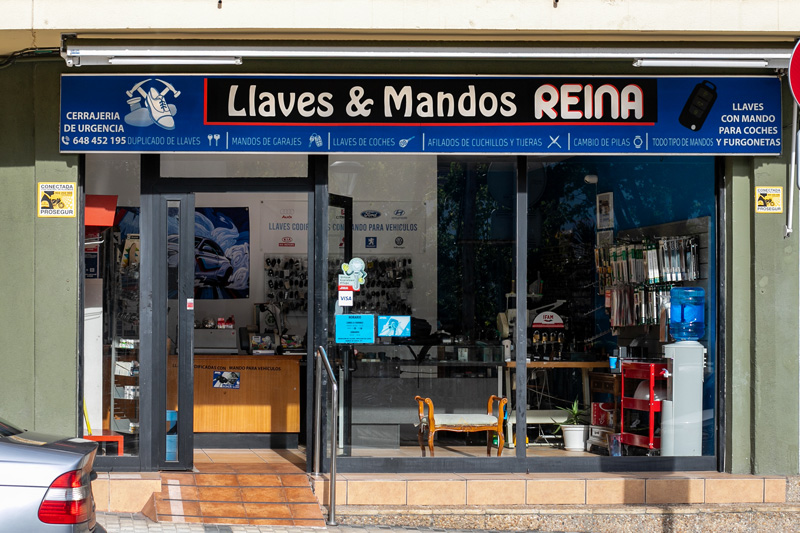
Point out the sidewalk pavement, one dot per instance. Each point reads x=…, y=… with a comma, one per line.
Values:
x=756, y=518
x=137, y=523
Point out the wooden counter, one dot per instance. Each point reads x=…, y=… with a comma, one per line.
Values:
x=266, y=398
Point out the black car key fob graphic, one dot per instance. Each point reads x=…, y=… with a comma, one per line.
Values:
x=698, y=105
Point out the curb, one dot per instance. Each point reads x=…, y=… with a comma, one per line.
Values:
x=596, y=519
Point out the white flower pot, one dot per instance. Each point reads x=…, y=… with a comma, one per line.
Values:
x=575, y=437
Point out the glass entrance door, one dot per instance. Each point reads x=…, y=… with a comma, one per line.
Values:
x=340, y=251
x=178, y=307
x=231, y=252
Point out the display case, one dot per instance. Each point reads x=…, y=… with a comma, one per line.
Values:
x=643, y=389
x=125, y=387
x=124, y=397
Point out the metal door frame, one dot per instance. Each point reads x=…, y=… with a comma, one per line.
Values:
x=155, y=192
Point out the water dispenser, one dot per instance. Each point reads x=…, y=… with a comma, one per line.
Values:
x=687, y=313
x=682, y=411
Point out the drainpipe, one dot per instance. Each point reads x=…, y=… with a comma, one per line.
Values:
x=793, y=174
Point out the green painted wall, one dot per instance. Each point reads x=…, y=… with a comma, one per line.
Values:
x=40, y=284
x=762, y=269
x=39, y=262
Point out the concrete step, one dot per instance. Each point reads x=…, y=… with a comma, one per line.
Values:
x=245, y=494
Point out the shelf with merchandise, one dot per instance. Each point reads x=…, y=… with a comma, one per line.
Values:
x=388, y=288
x=636, y=272
x=124, y=386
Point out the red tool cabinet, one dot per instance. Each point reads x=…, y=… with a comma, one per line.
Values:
x=633, y=374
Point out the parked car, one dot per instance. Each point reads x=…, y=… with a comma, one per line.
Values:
x=211, y=266
x=46, y=483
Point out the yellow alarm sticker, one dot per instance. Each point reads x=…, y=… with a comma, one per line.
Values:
x=769, y=199
x=56, y=200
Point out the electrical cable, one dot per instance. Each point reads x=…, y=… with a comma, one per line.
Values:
x=28, y=53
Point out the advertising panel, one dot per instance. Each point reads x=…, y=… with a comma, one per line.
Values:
x=420, y=114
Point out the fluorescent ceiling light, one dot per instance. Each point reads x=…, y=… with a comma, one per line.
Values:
x=78, y=51
x=702, y=63
x=199, y=60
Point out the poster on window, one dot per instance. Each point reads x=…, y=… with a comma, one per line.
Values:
x=221, y=252
x=388, y=228
x=221, y=249
x=285, y=227
x=127, y=242
x=605, y=210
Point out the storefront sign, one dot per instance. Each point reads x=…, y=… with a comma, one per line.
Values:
x=56, y=200
x=416, y=114
x=769, y=199
x=355, y=329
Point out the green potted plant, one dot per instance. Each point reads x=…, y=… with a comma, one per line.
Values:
x=574, y=427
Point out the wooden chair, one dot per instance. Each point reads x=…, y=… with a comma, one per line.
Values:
x=467, y=423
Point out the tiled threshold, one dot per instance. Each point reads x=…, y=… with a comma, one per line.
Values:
x=612, y=489
x=434, y=500
x=130, y=492
x=591, y=502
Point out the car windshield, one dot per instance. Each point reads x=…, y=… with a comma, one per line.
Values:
x=7, y=430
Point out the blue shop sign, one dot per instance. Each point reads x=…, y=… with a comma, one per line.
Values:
x=543, y=115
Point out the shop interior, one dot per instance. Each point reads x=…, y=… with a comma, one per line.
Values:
x=588, y=318
x=437, y=238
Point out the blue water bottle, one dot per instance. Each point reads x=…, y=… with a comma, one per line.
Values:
x=687, y=313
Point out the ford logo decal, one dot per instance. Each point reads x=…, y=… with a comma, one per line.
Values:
x=370, y=213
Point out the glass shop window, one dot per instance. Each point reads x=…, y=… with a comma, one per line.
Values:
x=433, y=253
x=609, y=241
x=111, y=312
